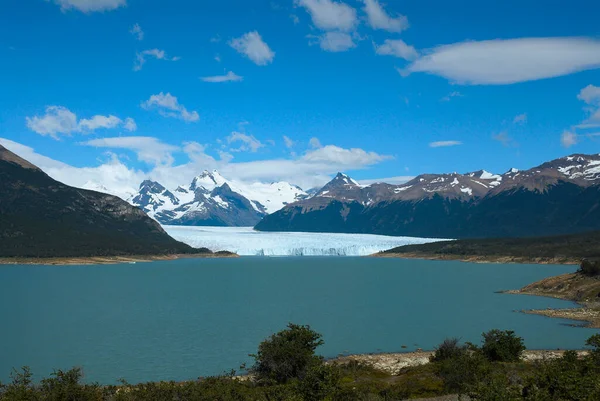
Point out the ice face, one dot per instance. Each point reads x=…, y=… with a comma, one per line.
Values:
x=245, y=241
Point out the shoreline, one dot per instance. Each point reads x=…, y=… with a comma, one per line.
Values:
x=109, y=260
x=480, y=258
x=574, y=287
x=393, y=363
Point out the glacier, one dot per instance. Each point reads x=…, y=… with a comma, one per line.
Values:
x=246, y=241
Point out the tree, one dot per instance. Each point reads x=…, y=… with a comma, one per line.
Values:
x=502, y=346
x=448, y=349
x=287, y=355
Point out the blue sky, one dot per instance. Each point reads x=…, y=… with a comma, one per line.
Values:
x=358, y=86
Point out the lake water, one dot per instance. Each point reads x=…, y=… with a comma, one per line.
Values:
x=188, y=318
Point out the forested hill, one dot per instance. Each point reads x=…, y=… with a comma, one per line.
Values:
x=41, y=217
x=555, y=248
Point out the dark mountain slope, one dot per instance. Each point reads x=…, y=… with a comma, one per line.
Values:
x=558, y=197
x=40, y=217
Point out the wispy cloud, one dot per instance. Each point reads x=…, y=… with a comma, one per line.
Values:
x=397, y=48
x=229, y=77
x=252, y=46
x=590, y=95
x=379, y=19
x=443, y=144
x=568, y=139
x=520, y=119
x=248, y=142
x=59, y=120
x=158, y=54
x=330, y=15
x=502, y=62
x=148, y=149
x=334, y=41
x=504, y=139
x=89, y=6
x=450, y=95
x=289, y=143
x=137, y=32
x=168, y=106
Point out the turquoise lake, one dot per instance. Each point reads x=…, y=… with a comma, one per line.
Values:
x=183, y=319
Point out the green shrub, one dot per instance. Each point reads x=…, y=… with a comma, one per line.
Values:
x=286, y=355
x=502, y=346
x=462, y=372
x=448, y=349
x=590, y=267
x=320, y=382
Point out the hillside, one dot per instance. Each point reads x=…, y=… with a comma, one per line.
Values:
x=565, y=248
x=559, y=197
x=41, y=217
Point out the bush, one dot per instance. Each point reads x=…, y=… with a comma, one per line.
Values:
x=448, y=349
x=286, y=355
x=462, y=372
x=590, y=267
x=502, y=346
x=319, y=382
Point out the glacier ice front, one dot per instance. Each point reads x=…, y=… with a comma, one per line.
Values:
x=245, y=241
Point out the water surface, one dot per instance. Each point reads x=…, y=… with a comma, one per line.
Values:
x=189, y=318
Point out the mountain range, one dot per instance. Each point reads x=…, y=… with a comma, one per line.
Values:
x=212, y=200
x=558, y=197
x=41, y=217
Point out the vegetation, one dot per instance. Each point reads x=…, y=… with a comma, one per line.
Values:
x=590, y=267
x=287, y=368
x=568, y=248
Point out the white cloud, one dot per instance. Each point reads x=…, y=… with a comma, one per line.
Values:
x=504, y=139
x=442, y=144
x=148, y=149
x=590, y=95
x=397, y=48
x=379, y=19
x=450, y=95
x=168, y=106
x=60, y=120
x=229, y=77
x=520, y=119
x=137, y=32
x=249, y=142
x=343, y=157
x=295, y=19
x=314, y=168
x=315, y=143
x=90, y=6
x=330, y=15
x=99, y=121
x=130, y=124
x=252, y=46
x=141, y=58
x=334, y=41
x=402, y=179
x=289, y=143
x=57, y=120
x=568, y=139
x=501, y=62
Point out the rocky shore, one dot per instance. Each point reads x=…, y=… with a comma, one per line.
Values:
x=393, y=363
x=111, y=260
x=480, y=258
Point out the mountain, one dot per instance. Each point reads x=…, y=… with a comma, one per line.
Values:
x=212, y=200
x=558, y=197
x=41, y=217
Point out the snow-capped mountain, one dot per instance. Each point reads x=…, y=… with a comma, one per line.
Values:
x=558, y=197
x=211, y=199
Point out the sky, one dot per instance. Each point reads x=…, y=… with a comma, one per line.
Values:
x=116, y=91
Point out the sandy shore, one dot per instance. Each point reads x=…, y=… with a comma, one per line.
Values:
x=109, y=260
x=480, y=259
x=393, y=363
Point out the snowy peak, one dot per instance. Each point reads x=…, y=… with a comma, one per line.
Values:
x=341, y=183
x=208, y=180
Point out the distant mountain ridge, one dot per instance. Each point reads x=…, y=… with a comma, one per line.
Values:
x=212, y=200
x=41, y=217
x=558, y=197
